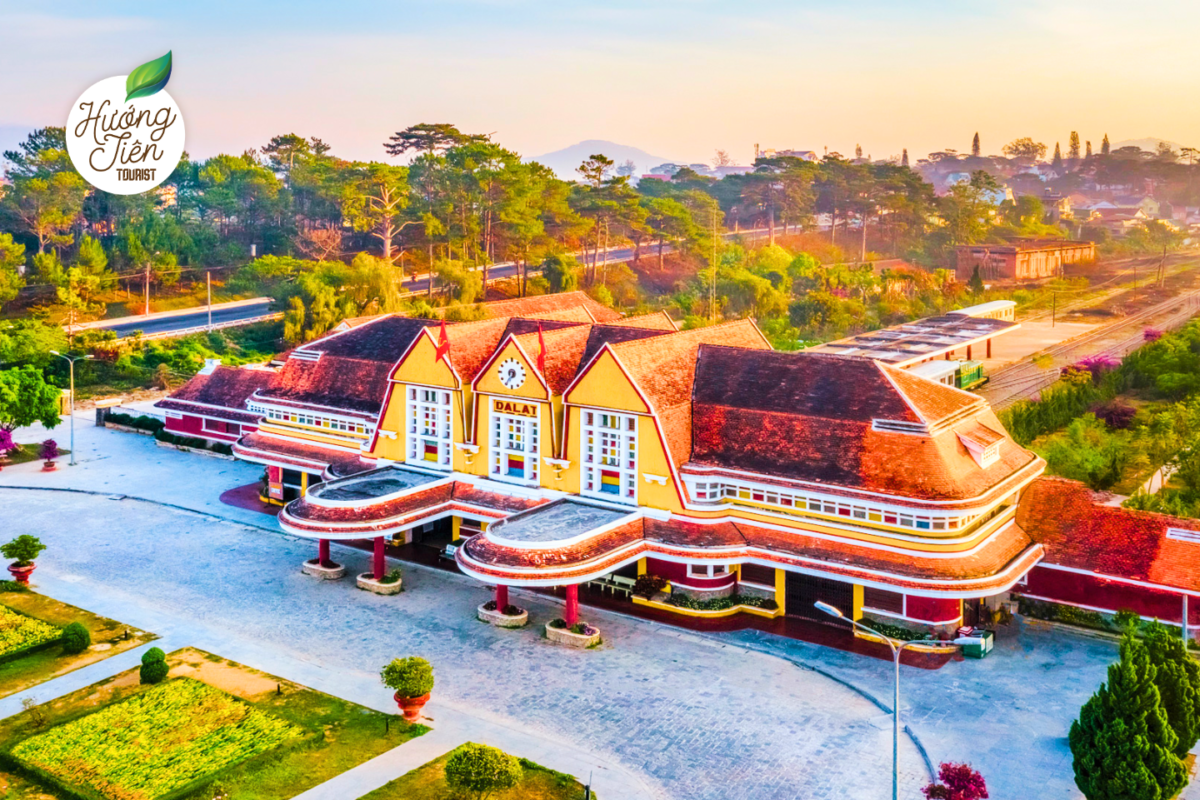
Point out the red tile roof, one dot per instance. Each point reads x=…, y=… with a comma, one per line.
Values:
x=1079, y=533
x=261, y=448
x=995, y=564
x=340, y=383
x=221, y=393
x=659, y=321
x=809, y=417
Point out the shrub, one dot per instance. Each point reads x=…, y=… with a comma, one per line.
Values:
x=23, y=549
x=649, y=585
x=154, y=666
x=49, y=450
x=956, y=782
x=147, y=423
x=583, y=629
x=1125, y=619
x=222, y=448
x=557, y=623
x=393, y=576
x=75, y=638
x=408, y=677
x=490, y=605
x=13, y=586
x=1117, y=416
x=482, y=770
x=512, y=611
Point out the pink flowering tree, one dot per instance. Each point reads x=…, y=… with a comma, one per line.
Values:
x=956, y=782
x=49, y=450
x=6, y=441
x=1152, y=334
x=1098, y=364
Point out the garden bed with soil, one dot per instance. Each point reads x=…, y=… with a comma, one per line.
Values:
x=109, y=637
x=213, y=725
x=428, y=782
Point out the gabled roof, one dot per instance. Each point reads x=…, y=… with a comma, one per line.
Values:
x=659, y=321
x=549, y=304
x=226, y=387
x=1080, y=533
x=844, y=422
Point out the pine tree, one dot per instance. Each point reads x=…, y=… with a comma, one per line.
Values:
x=904, y=158
x=975, y=145
x=1089, y=148
x=1177, y=676
x=1073, y=146
x=1104, y=147
x=858, y=151
x=1122, y=744
x=1057, y=162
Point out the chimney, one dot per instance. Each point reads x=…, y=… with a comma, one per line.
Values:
x=210, y=366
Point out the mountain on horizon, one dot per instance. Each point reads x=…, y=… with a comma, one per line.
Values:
x=1149, y=143
x=565, y=161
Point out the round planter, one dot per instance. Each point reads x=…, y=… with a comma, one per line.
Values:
x=411, y=706
x=49, y=466
x=367, y=582
x=564, y=636
x=21, y=574
x=502, y=620
x=326, y=572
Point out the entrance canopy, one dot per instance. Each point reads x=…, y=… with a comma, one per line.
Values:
x=391, y=500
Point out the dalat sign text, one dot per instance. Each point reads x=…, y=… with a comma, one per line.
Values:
x=125, y=134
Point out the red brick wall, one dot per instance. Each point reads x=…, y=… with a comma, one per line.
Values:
x=1089, y=590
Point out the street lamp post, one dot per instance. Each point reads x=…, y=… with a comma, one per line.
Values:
x=71, y=360
x=834, y=611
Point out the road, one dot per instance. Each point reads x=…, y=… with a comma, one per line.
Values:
x=181, y=322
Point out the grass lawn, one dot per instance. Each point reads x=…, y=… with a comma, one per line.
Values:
x=108, y=639
x=429, y=783
x=26, y=453
x=300, y=737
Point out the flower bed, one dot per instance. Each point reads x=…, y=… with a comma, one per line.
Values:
x=20, y=634
x=721, y=603
x=154, y=744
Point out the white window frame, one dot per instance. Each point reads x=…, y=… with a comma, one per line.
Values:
x=707, y=570
x=422, y=405
x=499, y=437
x=597, y=429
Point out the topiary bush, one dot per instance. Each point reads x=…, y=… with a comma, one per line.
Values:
x=23, y=549
x=480, y=770
x=408, y=677
x=154, y=666
x=75, y=638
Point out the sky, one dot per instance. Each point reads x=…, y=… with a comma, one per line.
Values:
x=677, y=78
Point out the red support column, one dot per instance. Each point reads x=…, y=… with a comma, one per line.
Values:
x=968, y=352
x=571, y=615
x=501, y=597
x=948, y=352
x=380, y=560
x=989, y=348
x=322, y=551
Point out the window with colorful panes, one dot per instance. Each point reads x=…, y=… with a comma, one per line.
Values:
x=610, y=455
x=429, y=426
x=515, y=447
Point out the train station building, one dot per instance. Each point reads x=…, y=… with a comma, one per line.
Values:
x=557, y=444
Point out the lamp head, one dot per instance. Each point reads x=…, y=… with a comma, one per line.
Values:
x=963, y=641
x=85, y=358
x=55, y=352
x=832, y=611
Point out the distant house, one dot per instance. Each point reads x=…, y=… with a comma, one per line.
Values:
x=1024, y=260
x=807, y=155
x=1117, y=220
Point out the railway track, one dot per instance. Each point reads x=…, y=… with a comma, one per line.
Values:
x=1025, y=379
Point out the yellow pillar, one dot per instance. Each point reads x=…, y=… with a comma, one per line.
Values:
x=857, y=604
x=641, y=567
x=456, y=530
x=303, y=483
x=781, y=590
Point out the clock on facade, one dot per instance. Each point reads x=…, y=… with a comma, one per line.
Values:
x=512, y=373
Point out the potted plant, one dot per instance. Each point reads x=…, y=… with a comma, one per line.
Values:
x=48, y=453
x=412, y=681
x=23, y=550
x=6, y=445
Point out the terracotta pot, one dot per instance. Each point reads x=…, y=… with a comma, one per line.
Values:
x=21, y=574
x=49, y=466
x=411, y=706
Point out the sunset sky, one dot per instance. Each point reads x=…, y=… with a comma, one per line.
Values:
x=676, y=78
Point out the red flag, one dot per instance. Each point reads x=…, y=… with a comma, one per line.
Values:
x=443, y=345
x=541, y=351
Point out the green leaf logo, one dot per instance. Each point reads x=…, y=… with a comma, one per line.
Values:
x=149, y=78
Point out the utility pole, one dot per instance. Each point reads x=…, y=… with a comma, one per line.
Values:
x=1053, y=307
x=208, y=282
x=147, y=287
x=712, y=286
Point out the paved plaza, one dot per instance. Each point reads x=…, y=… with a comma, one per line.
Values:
x=657, y=711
